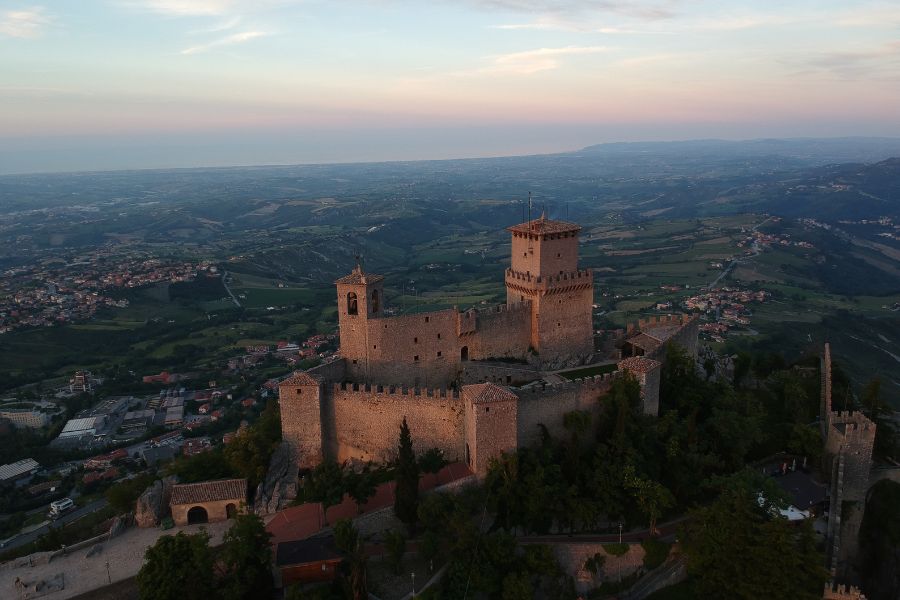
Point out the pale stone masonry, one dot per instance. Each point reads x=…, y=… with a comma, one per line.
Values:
x=208, y=501
x=439, y=369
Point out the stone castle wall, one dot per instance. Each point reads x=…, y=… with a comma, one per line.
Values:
x=852, y=434
x=430, y=349
x=503, y=331
x=417, y=350
x=363, y=422
x=547, y=404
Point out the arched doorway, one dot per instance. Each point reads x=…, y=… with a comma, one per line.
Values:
x=464, y=353
x=230, y=511
x=197, y=514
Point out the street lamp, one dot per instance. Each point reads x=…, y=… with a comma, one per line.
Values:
x=620, y=532
x=413, y=575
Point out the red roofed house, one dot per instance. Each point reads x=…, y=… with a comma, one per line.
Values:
x=207, y=501
x=104, y=461
x=248, y=402
x=91, y=477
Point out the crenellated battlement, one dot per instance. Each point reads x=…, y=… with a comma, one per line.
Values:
x=657, y=321
x=597, y=382
x=366, y=389
x=579, y=276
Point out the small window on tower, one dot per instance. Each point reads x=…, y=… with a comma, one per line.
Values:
x=558, y=255
x=415, y=340
x=416, y=358
x=487, y=409
x=375, y=347
x=439, y=336
x=439, y=353
x=426, y=319
x=299, y=391
x=351, y=304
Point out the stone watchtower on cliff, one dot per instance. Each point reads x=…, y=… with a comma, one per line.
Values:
x=544, y=270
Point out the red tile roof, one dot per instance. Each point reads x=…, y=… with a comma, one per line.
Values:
x=639, y=364
x=359, y=276
x=543, y=226
x=301, y=378
x=489, y=392
x=209, y=491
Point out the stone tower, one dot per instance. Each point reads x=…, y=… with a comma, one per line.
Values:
x=360, y=297
x=544, y=270
x=300, y=397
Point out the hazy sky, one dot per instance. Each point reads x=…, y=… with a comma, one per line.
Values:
x=93, y=84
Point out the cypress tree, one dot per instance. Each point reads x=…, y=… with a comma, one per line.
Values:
x=406, y=494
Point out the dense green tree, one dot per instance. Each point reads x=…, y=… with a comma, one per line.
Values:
x=742, y=363
x=880, y=542
x=123, y=495
x=325, y=484
x=352, y=546
x=202, y=467
x=406, y=494
x=247, y=559
x=361, y=486
x=395, y=544
x=432, y=460
x=741, y=544
x=652, y=497
x=250, y=450
x=176, y=567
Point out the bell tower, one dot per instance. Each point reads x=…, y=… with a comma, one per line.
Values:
x=544, y=270
x=360, y=297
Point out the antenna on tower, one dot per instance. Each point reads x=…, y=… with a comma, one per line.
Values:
x=529, y=210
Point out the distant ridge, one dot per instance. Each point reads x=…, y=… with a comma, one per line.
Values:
x=818, y=150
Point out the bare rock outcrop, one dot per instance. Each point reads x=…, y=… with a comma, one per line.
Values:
x=153, y=505
x=280, y=485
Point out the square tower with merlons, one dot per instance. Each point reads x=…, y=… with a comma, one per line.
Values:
x=544, y=270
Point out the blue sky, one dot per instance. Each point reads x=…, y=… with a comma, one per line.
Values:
x=100, y=84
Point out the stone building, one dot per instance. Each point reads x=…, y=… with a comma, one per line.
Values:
x=468, y=383
x=208, y=501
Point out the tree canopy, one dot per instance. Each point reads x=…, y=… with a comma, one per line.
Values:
x=176, y=567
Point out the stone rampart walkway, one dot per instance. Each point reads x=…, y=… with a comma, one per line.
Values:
x=124, y=553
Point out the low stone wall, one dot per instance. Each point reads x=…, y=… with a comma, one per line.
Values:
x=573, y=556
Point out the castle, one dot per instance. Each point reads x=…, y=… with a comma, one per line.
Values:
x=475, y=383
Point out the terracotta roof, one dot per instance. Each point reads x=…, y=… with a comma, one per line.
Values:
x=358, y=276
x=489, y=392
x=645, y=342
x=301, y=378
x=639, y=364
x=209, y=491
x=544, y=225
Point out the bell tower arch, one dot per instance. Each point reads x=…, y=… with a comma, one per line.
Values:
x=360, y=299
